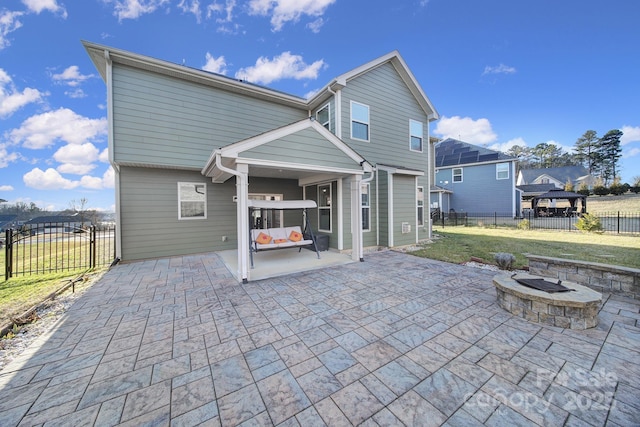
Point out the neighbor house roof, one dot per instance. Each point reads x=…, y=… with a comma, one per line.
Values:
x=452, y=152
x=55, y=218
x=529, y=189
x=561, y=174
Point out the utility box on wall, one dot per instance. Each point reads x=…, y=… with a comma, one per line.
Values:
x=406, y=228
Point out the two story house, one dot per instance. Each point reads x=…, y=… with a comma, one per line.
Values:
x=473, y=179
x=190, y=148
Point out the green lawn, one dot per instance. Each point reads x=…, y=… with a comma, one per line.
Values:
x=459, y=244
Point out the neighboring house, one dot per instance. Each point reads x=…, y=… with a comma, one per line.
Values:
x=7, y=221
x=473, y=179
x=556, y=176
x=57, y=223
x=190, y=148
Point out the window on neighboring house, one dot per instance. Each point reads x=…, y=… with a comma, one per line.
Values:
x=544, y=180
x=323, y=116
x=420, y=202
x=366, y=207
x=359, y=121
x=192, y=200
x=457, y=175
x=416, y=133
x=502, y=171
x=324, y=207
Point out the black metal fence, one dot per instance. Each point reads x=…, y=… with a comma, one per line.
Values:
x=57, y=246
x=612, y=222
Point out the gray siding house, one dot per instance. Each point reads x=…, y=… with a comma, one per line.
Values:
x=473, y=179
x=190, y=148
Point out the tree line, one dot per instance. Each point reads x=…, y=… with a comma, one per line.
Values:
x=599, y=155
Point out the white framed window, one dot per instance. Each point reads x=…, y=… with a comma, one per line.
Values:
x=456, y=175
x=415, y=135
x=323, y=116
x=359, y=121
x=324, y=207
x=366, y=207
x=192, y=200
x=502, y=170
x=420, y=205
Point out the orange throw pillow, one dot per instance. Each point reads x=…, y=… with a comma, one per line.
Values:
x=295, y=236
x=280, y=241
x=263, y=239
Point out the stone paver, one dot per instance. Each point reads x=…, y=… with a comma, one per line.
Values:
x=396, y=340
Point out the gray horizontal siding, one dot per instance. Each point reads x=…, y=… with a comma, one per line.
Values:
x=163, y=121
x=391, y=105
x=479, y=190
x=404, y=209
x=306, y=146
x=149, y=213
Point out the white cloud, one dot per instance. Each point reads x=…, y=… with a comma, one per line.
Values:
x=43, y=130
x=76, y=158
x=191, y=6
x=71, y=76
x=52, y=6
x=6, y=188
x=505, y=146
x=104, y=156
x=11, y=99
x=98, y=183
x=631, y=153
x=283, y=66
x=6, y=157
x=215, y=65
x=133, y=9
x=630, y=134
x=76, y=93
x=9, y=22
x=48, y=180
x=465, y=129
x=226, y=25
x=500, y=69
x=316, y=25
x=109, y=178
x=283, y=11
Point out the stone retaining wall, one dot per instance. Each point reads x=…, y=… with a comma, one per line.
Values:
x=600, y=277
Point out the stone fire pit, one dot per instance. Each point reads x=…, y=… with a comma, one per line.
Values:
x=577, y=309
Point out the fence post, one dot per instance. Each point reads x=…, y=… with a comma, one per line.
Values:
x=8, y=253
x=618, y=222
x=92, y=246
x=495, y=219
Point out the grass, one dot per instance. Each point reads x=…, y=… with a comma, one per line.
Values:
x=460, y=244
x=19, y=294
x=605, y=204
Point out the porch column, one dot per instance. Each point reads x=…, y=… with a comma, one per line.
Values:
x=242, y=197
x=357, y=250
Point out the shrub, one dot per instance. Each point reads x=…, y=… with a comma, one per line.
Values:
x=583, y=189
x=600, y=190
x=505, y=261
x=589, y=223
x=617, y=189
x=525, y=224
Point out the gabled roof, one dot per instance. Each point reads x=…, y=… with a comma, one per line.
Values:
x=102, y=55
x=561, y=174
x=344, y=160
x=401, y=68
x=452, y=152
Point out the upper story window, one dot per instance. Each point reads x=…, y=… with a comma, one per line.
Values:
x=416, y=134
x=502, y=171
x=192, y=200
x=323, y=116
x=457, y=175
x=359, y=121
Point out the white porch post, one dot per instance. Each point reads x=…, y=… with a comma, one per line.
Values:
x=242, y=197
x=357, y=250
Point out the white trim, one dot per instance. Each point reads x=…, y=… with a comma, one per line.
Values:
x=417, y=206
x=390, y=210
x=453, y=181
x=297, y=166
x=340, y=192
x=180, y=200
x=368, y=185
x=338, y=104
x=508, y=171
x=323, y=207
x=400, y=171
x=411, y=135
x=328, y=107
x=352, y=120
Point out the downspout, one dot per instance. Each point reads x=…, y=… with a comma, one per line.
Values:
x=111, y=154
x=242, y=216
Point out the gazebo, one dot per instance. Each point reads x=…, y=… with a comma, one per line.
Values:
x=559, y=194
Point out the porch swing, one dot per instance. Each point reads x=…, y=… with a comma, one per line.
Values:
x=261, y=239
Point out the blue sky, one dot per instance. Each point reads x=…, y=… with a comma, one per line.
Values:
x=499, y=72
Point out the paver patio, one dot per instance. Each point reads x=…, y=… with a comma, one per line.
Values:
x=396, y=340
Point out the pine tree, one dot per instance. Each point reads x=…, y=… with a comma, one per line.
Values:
x=587, y=149
x=610, y=153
